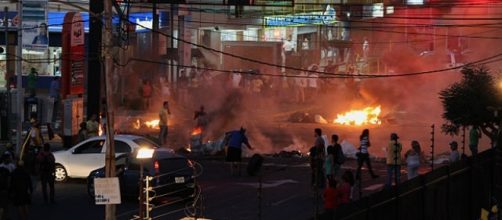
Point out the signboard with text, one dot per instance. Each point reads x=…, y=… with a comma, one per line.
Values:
x=35, y=28
x=73, y=52
x=107, y=191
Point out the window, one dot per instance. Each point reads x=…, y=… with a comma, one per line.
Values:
x=92, y=147
x=122, y=147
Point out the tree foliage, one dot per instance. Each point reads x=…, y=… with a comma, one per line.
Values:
x=471, y=101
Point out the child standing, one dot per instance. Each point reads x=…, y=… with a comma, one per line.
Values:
x=329, y=195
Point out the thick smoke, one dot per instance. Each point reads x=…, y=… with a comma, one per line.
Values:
x=410, y=104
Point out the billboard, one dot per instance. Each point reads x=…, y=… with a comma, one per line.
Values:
x=35, y=29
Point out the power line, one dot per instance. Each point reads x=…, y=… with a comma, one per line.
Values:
x=323, y=73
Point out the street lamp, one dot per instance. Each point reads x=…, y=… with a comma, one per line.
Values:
x=143, y=153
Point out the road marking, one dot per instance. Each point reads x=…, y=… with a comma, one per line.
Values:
x=374, y=187
x=284, y=200
x=270, y=184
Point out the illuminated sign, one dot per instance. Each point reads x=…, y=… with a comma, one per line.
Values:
x=302, y=19
x=415, y=2
x=373, y=11
x=389, y=10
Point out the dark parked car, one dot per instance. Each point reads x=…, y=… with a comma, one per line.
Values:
x=173, y=175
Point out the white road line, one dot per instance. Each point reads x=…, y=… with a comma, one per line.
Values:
x=374, y=187
x=270, y=184
x=284, y=200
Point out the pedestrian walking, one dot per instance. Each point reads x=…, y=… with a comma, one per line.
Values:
x=363, y=155
x=47, y=168
x=234, y=141
x=21, y=190
x=393, y=161
x=474, y=136
x=454, y=154
x=92, y=126
x=163, y=119
x=413, y=158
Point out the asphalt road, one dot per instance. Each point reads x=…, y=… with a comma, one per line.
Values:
x=285, y=194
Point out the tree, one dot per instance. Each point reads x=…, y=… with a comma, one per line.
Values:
x=471, y=101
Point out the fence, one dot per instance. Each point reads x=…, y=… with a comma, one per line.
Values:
x=456, y=191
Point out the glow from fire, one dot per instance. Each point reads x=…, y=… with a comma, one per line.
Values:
x=100, y=126
x=197, y=131
x=137, y=124
x=365, y=116
x=152, y=123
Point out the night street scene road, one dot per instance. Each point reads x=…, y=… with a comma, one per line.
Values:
x=255, y=109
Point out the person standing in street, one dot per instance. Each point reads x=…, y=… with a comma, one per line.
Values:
x=54, y=99
x=47, y=166
x=363, y=155
x=474, y=136
x=21, y=190
x=92, y=126
x=146, y=93
x=163, y=119
x=393, y=161
x=454, y=154
x=82, y=132
x=234, y=141
x=413, y=158
x=317, y=154
x=32, y=80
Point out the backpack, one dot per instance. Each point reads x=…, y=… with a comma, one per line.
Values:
x=340, y=157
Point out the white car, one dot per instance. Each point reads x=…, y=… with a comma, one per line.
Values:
x=89, y=155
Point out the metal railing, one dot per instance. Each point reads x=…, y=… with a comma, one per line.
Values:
x=456, y=191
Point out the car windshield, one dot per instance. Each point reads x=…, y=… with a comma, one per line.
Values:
x=143, y=142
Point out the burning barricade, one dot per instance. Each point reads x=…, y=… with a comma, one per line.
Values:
x=366, y=116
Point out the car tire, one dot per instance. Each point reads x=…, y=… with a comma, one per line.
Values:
x=60, y=173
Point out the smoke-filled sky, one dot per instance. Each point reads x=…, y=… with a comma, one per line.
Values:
x=410, y=104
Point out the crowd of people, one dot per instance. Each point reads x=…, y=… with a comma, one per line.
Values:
x=19, y=175
x=327, y=157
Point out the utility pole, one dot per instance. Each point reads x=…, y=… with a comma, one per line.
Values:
x=110, y=148
x=19, y=86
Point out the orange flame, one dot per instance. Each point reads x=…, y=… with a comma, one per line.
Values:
x=197, y=131
x=137, y=124
x=365, y=116
x=153, y=123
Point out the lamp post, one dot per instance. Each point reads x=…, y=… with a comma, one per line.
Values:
x=143, y=153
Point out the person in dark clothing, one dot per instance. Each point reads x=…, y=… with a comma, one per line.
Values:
x=200, y=118
x=4, y=192
x=21, y=190
x=363, y=155
x=233, y=142
x=316, y=159
x=47, y=164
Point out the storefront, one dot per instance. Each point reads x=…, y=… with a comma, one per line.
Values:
x=48, y=62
